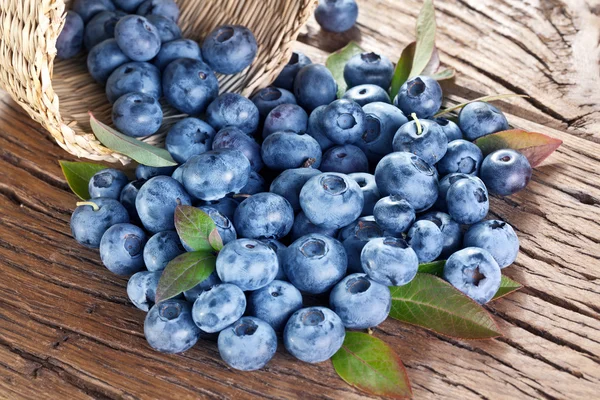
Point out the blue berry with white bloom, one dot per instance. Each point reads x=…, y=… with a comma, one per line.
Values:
x=275, y=303
x=247, y=345
x=218, y=307
x=250, y=264
x=169, y=327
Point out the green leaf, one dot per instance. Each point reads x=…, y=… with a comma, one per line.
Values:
x=535, y=146
x=403, y=68
x=425, y=38
x=486, y=99
x=183, y=273
x=369, y=364
x=78, y=175
x=337, y=61
x=196, y=229
x=442, y=75
x=139, y=151
x=507, y=286
x=434, y=268
x=434, y=304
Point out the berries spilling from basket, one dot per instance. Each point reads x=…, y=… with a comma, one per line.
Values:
x=292, y=197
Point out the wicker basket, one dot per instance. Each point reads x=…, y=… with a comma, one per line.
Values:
x=59, y=94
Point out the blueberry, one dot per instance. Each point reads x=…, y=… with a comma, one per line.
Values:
x=369, y=68
x=128, y=6
x=101, y=27
x=70, y=40
x=288, y=74
x=394, y=214
x=290, y=182
x=381, y=124
x=88, y=8
x=314, y=263
x=137, y=38
x=218, y=307
x=247, y=345
x=179, y=48
x=167, y=29
x=421, y=95
x=268, y=98
x=275, y=303
x=366, y=94
x=497, y=237
x=315, y=128
x=256, y=184
x=224, y=225
x=314, y=86
x=462, y=156
x=278, y=248
x=346, y=159
x=141, y=288
x=444, y=185
x=104, y=58
x=343, y=121
x=423, y=138
x=128, y=196
x=164, y=8
x=137, y=114
x=146, y=172
x=264, y=216
x=233, y=110
x=107, y=183
x=355, y=237
x=89, y=224
x=337, y=15
x=474, y=272
x=189, y=85
x=225, y=206
x=189, y=137
x=169, y=327
x=408, y=176
x=389, y=261
x=450, y=230
x=360, y=302
x=121, y=249
x=450, y=129
x=468, y=200
x=285, y=150
x=479, y=119
x=162, y=248
x=157, y=200
x=229, y=49
x=215, y=174
x=505, y=172
x=286, y=117
x=141, y=77
x=426, y=239
x=192, y=294
x=302, y=226
x=314, y=334
x=369, y=189
x=331, y=200
x=233, y=138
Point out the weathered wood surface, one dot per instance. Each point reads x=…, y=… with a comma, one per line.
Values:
x=67, y=329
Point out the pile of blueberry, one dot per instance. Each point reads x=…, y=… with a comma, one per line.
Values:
x=318, y=200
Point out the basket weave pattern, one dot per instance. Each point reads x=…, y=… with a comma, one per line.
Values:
x=58, y=94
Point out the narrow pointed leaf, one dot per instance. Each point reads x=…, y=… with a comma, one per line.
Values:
x=137, y=150
x=507, y=286
x=195, y=229
x=434, y=268
x=183, y=273
x=444, y=74
x=337, y=61
x=486, y=99
x=425, y=38
x=535, y=146
x=369, y=364
x=403, y=68
x=78, y=175
x=434, y=304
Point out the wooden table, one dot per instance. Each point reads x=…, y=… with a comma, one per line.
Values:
x=68, y=331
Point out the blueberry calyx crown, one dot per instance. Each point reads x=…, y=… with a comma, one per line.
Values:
x=358, y=285
x=314, y=248
x=333, y=184
x=169, y=311
x=245, y=327
x=313, y=317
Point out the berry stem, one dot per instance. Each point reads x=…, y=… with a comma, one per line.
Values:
x=88, y=203
x=419, y=127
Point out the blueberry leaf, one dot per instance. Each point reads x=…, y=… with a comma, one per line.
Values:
x=403, y=68
x=369, y=364
x=432, y=303
x=507, y=286
x=337, y=61
x=184, y=272
x=434, y=268
x=139, y=151
x=196, y=229
x=486, y=99
x=444, y=74
x=535, y=146
x=78, y=175
x=425, y=44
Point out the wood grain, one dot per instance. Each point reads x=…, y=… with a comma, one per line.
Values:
x=67, y=329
